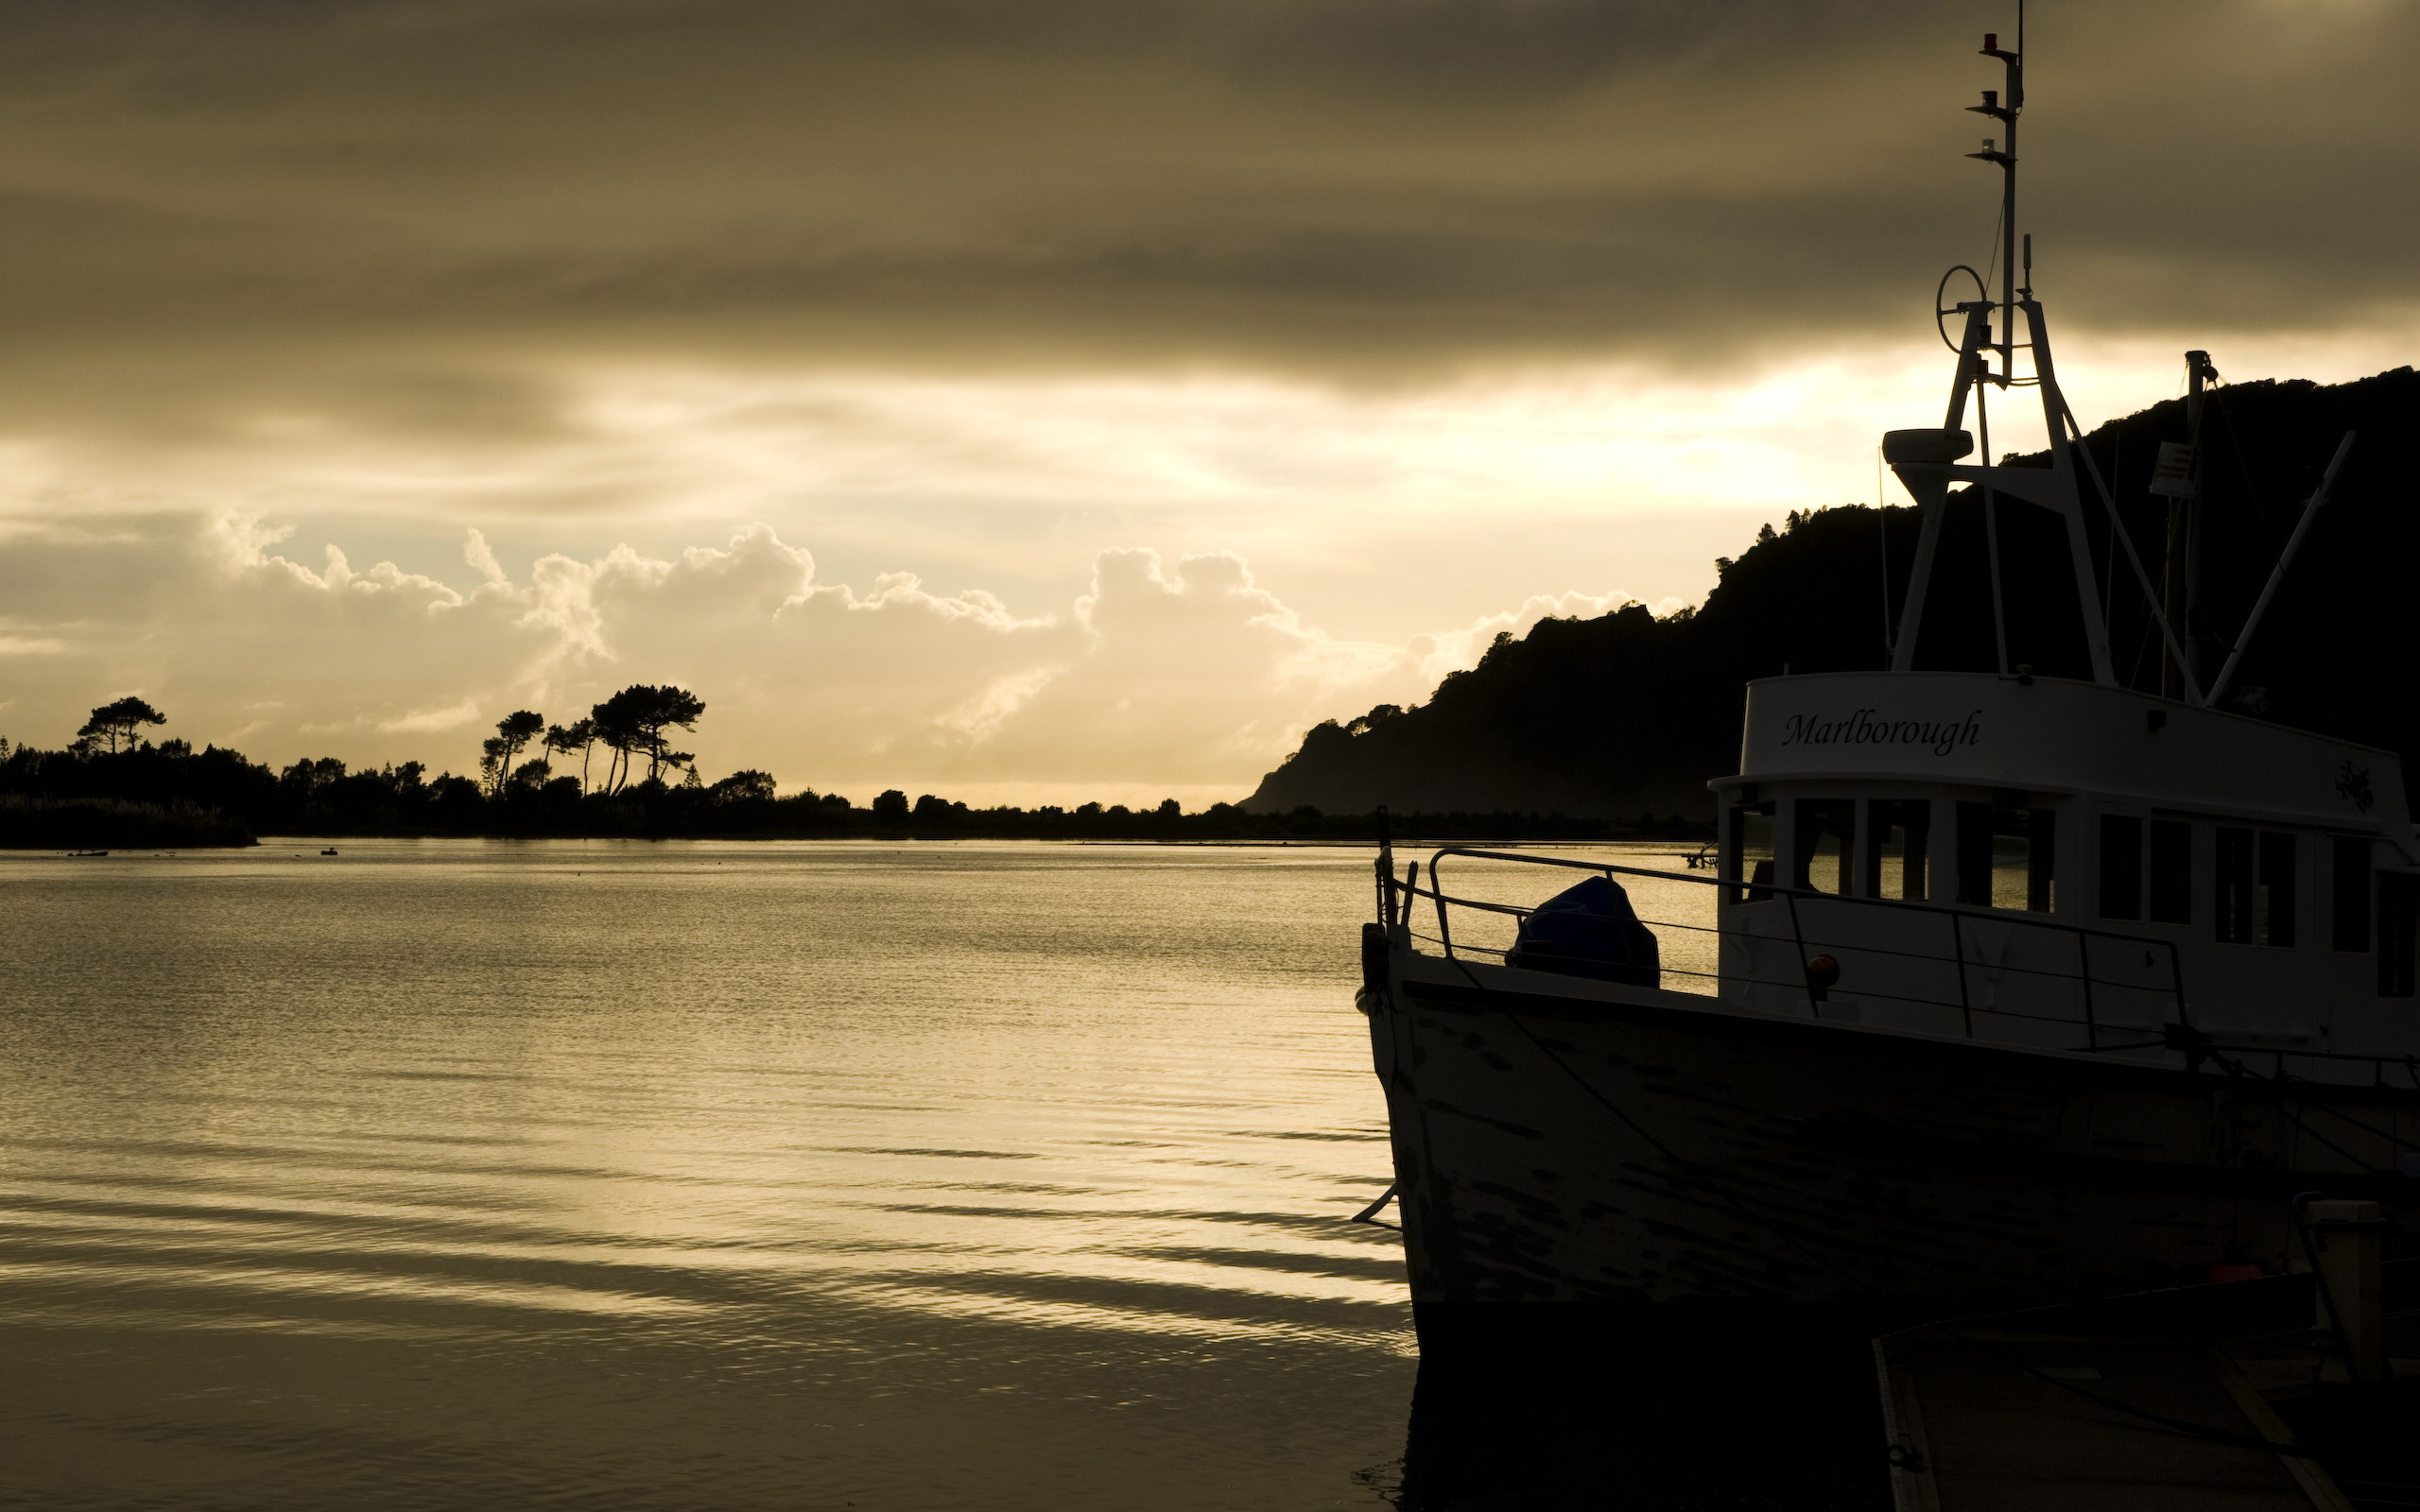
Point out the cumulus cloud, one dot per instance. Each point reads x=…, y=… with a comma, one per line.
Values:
x=1454, y=650
x=1181, y=675
x=1420, y=305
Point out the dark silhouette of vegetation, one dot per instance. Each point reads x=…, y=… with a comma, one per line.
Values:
x=119, y=723
x=513, y=733
x=146, y=795
x=580, y=735
x=170, y=794
x=633, y=722
x=1583, y=730
x=107, y=823
x=1629, y=711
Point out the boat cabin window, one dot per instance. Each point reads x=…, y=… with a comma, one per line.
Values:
x=2121, y=866
x=1898, y=833
x=2255, y=887
x=2398, y=934
x=2348, y=894
x=1751, y=848
x=2005, y=856
x=1825, y=842
x=2172, y=871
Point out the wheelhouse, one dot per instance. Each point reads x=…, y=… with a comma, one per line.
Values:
x=2277, y=864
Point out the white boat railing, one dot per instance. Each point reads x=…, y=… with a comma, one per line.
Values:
x=1821, y=931
x=1865, y=948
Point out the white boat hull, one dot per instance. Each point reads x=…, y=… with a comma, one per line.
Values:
x=1562, y=1140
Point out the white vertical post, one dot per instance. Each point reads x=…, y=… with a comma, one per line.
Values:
x=2344, y=1236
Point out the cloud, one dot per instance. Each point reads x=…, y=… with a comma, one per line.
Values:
x=409, y=210
x=1417, y=306
x=978, y=719
x=1183, y=676
x=1455, y=650
x=452, y=716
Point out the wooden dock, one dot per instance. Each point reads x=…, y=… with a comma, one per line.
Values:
x=2175, y=1399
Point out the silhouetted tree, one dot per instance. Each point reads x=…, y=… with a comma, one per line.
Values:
x=891, y=807
x=634, y=721
x=932, y=810
x=561, y=740
x=306, y=776
x=454, y=801
x=513, y=733
x=749, y=786
x=116, y=723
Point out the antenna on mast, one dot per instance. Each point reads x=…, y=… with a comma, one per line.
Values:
x=1928, y=461
x=2003, y=106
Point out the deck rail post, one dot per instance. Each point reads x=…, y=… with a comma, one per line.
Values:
x=1444, y=930
x=1958, y=951
x=2340, y=1242
x=1798, y=936
x=2083, y=970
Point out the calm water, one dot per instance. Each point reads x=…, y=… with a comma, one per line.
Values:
x=449, y=1174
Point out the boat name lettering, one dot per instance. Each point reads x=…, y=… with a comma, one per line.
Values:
x=1862, y=729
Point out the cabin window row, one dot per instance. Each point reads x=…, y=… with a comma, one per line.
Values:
x=2003, y=855
x=2146, y=873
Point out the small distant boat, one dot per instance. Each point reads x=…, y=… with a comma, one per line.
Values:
x=329, y=851
x=71, y=854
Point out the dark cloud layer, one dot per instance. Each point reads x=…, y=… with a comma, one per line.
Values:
x=271, y=193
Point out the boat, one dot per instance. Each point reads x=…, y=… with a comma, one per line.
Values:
x=2004, y=989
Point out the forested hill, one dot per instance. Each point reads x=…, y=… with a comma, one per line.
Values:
x=1626, y=712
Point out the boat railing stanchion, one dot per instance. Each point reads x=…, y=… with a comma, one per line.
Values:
x=1798, y=937
x=1386, y=870
x=1957, y=953
x=1444, y=930
x=2084, y=968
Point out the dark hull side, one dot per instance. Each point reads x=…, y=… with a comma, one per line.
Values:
x=1564, y=1143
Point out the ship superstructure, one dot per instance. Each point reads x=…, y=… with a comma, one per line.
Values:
x=2014, y=987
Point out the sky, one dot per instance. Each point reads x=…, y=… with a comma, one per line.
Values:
x=1035, y=400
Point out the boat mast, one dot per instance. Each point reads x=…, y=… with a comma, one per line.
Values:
x=2178, y=477
x=1927, y=461
x=2003, y=108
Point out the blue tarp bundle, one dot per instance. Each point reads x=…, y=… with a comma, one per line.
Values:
x=1589, y=931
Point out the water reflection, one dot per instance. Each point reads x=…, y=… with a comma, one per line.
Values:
x=1609, y=1410
x=446, y=1173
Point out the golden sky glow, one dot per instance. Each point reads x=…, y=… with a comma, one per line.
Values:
x=1061, y=397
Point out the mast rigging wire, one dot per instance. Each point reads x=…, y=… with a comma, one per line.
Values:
x=1992, y=521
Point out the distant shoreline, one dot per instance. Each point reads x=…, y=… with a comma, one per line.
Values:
x=172, y=796
x=1414, y=839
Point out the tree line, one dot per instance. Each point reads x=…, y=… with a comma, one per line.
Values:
x=114, y=786
x=633, y=724
x=1627, y=711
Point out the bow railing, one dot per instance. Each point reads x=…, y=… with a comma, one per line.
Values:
x=1924, y=965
